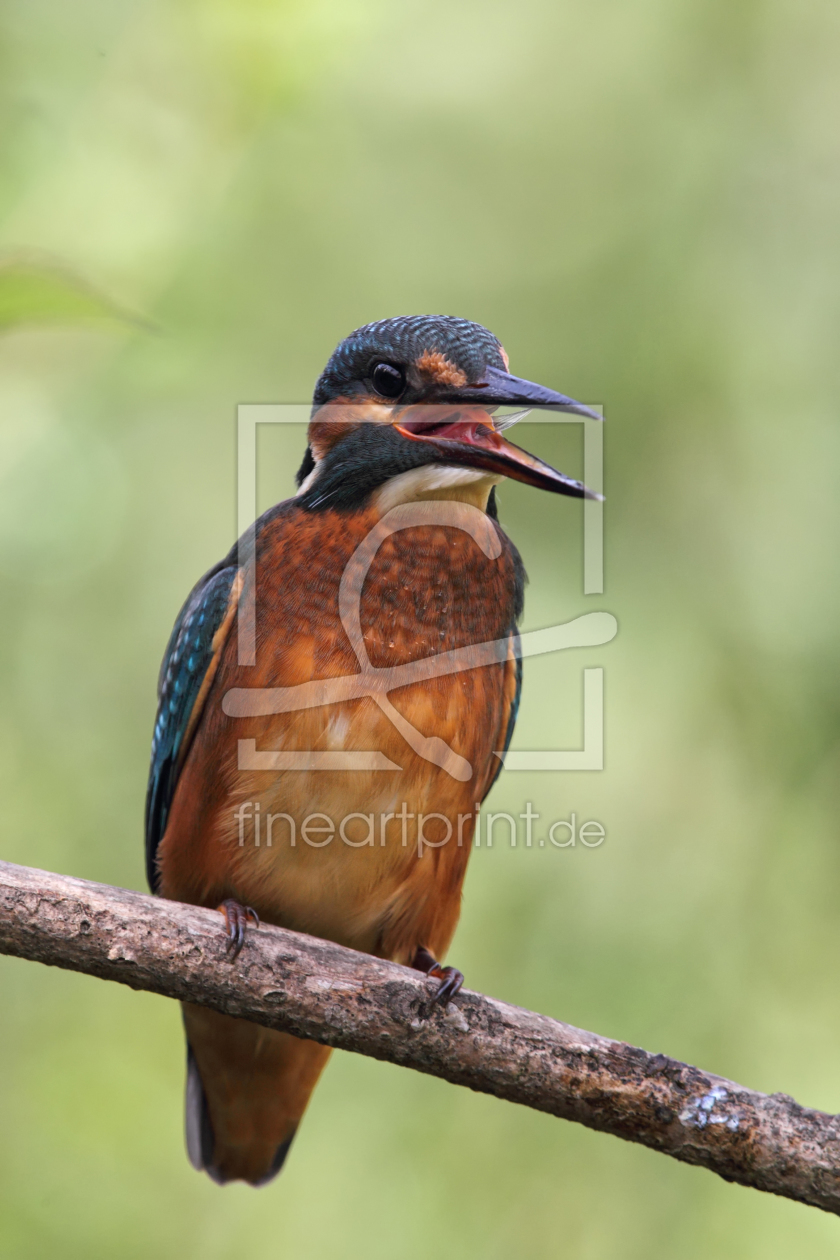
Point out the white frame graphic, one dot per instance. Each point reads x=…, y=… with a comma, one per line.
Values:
x=591, y=629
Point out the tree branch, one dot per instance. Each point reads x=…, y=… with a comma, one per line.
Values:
x=319, y=990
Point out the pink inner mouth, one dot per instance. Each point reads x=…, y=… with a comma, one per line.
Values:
x=452, y=428
x=426, y=427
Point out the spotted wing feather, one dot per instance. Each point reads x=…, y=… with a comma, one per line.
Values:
x=513, y=694
x=189, y=655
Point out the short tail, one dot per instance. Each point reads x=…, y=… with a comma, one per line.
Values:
x=247, y=1089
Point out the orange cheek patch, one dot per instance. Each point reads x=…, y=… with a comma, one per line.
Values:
x=337, y=419
x=324, y=434
x=441, y=369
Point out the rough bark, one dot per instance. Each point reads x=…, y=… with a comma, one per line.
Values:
x=316, y=989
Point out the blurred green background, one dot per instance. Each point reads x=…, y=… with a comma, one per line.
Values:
x=642, y=201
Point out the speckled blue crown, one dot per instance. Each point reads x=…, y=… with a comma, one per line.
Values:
x=404, y=339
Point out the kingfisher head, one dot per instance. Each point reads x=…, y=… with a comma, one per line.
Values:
x=404, y=410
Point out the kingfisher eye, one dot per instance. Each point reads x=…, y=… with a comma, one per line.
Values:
x=387, y=380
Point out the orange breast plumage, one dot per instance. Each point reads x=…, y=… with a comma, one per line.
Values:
x=393, y=883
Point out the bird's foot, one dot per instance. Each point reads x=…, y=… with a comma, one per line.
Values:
x=237, y=918
x=450, y=978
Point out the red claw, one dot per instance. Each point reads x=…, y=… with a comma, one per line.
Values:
x=237, y=918
x=451, y=980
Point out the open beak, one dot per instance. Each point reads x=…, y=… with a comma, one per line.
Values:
x=463, y=434
x=500, y=389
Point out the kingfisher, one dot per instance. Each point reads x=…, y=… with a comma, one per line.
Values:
x=327, y=779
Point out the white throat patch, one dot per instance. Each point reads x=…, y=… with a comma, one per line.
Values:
x=436, y=481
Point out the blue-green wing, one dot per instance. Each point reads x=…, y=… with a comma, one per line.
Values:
x=513, y=709
x=188, y=656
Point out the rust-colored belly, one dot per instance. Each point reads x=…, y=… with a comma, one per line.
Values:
x=373, y=859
